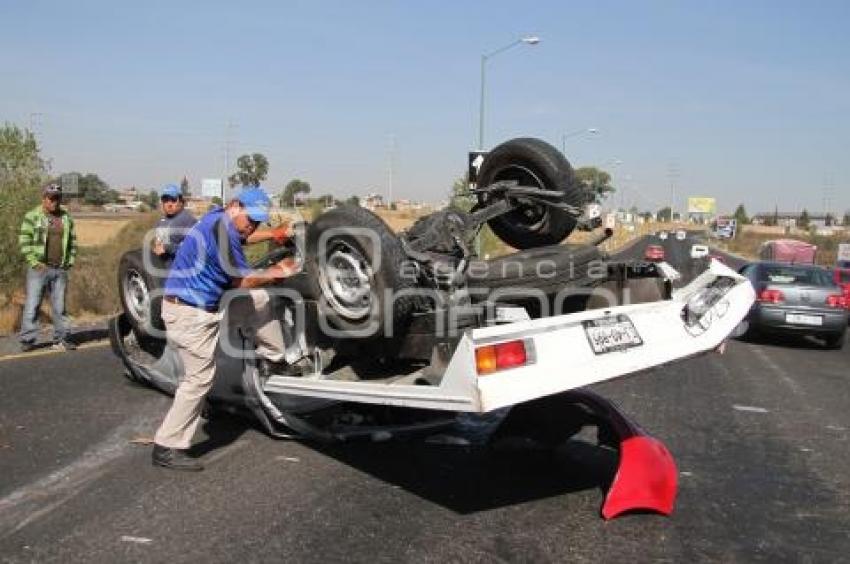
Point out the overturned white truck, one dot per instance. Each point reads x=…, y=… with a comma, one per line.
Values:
x=410, y=330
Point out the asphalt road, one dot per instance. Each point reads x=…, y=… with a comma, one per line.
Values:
x=760, y=436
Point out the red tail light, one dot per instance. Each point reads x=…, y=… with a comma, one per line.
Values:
x=491, y=358
x=771, y=296
x=836, y=300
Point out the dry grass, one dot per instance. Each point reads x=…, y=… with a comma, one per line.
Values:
x=92, y=287
x=96, y=232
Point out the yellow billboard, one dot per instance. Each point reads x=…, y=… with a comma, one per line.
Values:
x=700, y=204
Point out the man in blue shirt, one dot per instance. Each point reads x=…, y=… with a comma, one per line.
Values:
x=209, y=262
x=174, y=223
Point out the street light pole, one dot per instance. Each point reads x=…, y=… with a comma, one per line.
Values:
x=530, y=40
x=565, y=136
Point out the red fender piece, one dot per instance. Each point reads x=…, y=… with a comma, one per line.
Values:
x=646, y=479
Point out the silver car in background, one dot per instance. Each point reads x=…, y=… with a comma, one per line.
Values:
x=798, y=299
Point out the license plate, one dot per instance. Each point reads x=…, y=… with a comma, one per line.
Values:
x=611, y=334
x=801, y=319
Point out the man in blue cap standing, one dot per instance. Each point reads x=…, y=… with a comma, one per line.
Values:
x=209, y=262
x=174, y=223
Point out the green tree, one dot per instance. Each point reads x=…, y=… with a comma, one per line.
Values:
x=846, y=221
x=184, y=188
x=663, y=214
x=251, y=170
x=216, y=201
x=93, y=190
x=803, y=222
x=595, y=182
x=20, y=161
x=460, y=196
x=22, y=170
x=829, y=220
x=151, y=200
x=740, y=215
x=353, y=201
x=293, y=187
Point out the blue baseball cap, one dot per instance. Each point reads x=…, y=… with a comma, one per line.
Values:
x=256, y=203
x=171, y=191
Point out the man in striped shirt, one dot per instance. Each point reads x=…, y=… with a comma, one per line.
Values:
x=49, y=245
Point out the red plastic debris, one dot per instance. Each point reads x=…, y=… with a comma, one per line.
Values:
x=646, y=479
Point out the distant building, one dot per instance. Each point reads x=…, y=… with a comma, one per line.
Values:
x=373, y=202
x=783, y=218
x=623, y=216
x=129, y=195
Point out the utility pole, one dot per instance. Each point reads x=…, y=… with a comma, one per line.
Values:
x=35, y=125
x=673, y=174
x=228, y=142
x=391, y=169
x=827, y=196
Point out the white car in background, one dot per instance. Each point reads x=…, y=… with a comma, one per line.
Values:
x=699, y=251
x=680, y=235
x=662, y=235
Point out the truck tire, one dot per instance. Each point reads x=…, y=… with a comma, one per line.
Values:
x=138, y=289
x=532, y=162
x=356, y=265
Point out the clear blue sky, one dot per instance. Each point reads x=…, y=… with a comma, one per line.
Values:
x=748, y=102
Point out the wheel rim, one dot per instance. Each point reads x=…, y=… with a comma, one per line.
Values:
x=137, y=300
x=528, y=216
x=345, y=278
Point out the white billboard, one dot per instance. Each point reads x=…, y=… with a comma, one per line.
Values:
x=211, y=187
x=844, y=251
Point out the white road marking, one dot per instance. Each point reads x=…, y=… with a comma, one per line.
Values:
x=29, y=503
x=139, y=540
x=750, y=408
x=795, y=387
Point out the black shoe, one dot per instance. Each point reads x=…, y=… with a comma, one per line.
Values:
x=27, y=346
x=175, y=459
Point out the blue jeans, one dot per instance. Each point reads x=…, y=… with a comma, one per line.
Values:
x=55, y=281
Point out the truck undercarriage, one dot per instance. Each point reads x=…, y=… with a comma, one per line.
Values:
x=408, y=331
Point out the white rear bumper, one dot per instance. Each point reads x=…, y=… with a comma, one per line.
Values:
x=560, y=353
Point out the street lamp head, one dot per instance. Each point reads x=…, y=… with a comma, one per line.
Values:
x=531, y=40
x=592, y=130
